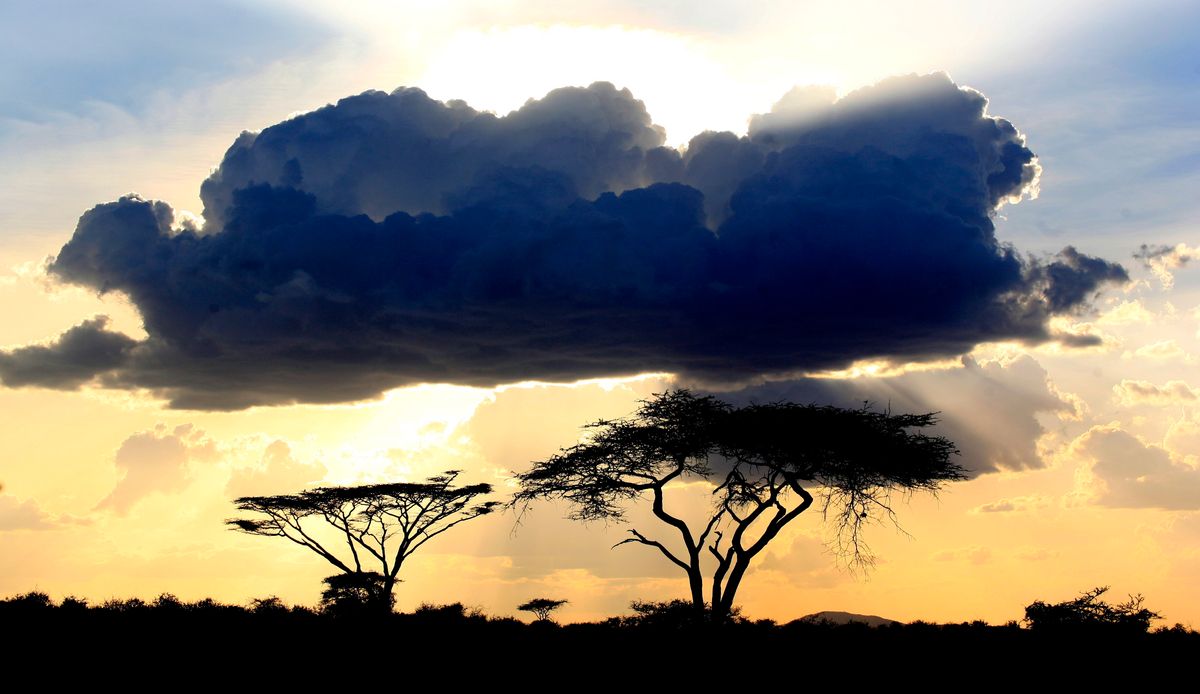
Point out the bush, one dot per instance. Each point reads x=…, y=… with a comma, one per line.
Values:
x=674, y=614
x=33, y=600
x=73, y=603
x=452, y=613
x=356, y=594
x=268, y=605
x=1089, y=613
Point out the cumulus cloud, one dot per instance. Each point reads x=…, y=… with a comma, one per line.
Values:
x=391, y=239
x=1183, y=438
x=803, y=561
x=22, y=515
x=156, y=461
x=1163, y=349
x=28, y=514
x=988, y=409
x=1130, y=392
x=279, y=472
x=1013, y=505
x=1163, y=261
x=1124, y=472
x=378, y=153
x=72, y=360
x=1126, y=313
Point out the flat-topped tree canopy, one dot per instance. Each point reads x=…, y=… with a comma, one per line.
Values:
x=762, y=460
x=379, y=525
x=834, y=446
x=671, y=436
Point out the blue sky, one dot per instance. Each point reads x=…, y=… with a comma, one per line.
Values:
x=62, y=54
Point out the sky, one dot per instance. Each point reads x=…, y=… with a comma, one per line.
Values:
x=521, y=217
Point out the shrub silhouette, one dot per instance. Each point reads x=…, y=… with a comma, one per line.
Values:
x=268, y=605
x=33, y=600
x=356, y=594
x=674, y=614
x=1089, y=613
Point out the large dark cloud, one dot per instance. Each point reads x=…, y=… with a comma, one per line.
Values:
x=75, y=358
x=392, y=239
x=378, y=153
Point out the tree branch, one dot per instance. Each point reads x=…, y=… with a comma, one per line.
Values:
x=641, y=539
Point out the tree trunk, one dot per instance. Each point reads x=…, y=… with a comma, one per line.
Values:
x=385, y=601
x=722, y=611
x=696, y=583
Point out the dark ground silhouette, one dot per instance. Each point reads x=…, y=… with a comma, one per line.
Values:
x=270, y=642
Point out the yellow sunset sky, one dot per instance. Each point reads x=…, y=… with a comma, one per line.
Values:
x=1094, y=450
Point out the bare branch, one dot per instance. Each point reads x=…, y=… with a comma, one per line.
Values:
x=641, y=539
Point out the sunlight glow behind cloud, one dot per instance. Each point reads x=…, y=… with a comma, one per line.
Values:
x=685, y=89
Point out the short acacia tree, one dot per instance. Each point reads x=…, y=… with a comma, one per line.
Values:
x=541, y=607
x=375, y=526
x=764, y=463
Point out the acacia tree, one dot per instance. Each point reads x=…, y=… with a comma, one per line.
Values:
x=377, y=525
x=765, y=463
x=541, y=607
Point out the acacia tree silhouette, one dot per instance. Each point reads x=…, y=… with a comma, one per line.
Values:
x=381, y=524
x=762, y=461
x=541, y=607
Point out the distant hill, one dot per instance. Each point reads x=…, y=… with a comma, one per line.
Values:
x=834, y=617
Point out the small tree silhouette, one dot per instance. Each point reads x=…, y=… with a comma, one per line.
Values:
x=377, y=523
x=1089, y=613
x=352, y=594
x=761, y=460
x=542, y=607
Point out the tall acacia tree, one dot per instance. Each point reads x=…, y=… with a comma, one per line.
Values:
x=376, y=525
x=767, y=465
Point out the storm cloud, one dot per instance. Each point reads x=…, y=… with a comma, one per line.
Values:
x=392, y=239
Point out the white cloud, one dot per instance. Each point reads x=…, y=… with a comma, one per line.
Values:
x=1014, y=504
x=1126, y=313
x=1130, y=393
x=156, y=461
x=1163, y=261
x=1163, y=349
x=22, y=515
x=16, y=514
x=1120, y=470
x=278, y=472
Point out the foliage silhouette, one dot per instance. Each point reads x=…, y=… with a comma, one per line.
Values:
x=281, y=645
x=541, y=607
x=1089, y=613
x=359, y=592
x=674, y=615
x=762, y=461
x=270, y=605
x=377, y=523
